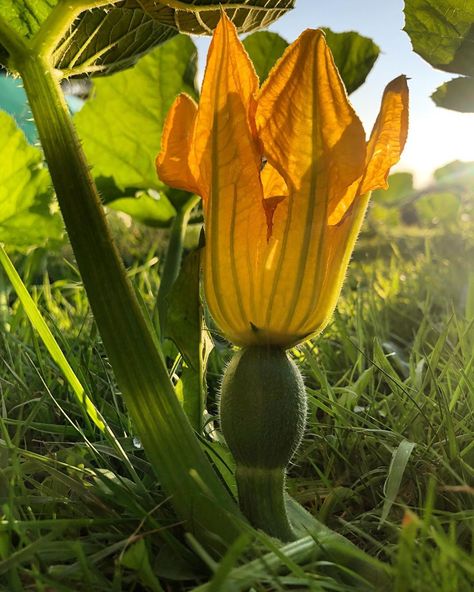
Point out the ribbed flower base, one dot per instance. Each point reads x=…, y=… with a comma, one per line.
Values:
x=263, y=413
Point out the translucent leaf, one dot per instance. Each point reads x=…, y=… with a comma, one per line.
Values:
x=25, y=191
x=264, y=50
x=442, y=32
x=152, y=210
x=201, y=16
x=26, y=16
x=354, y=56
x=129, y=109
x=105, y=41
x=438, y=208
x=400, y=459
x=457, y=94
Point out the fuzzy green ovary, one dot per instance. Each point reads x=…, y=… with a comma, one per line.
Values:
x=262, y=407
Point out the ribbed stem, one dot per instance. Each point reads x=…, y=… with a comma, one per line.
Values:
x=262, y=500
x=199, y=497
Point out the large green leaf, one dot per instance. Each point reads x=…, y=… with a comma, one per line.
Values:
x=438, y=209
x=150, y=209
x=121, y=124
x=442, y=32
x=354, y=56
x=26, y=16
x=386, y=205
x=456, y=172
x=25, y=191
x=105, y=41
x=111, y=38
x=264, y=49
x=457, y=94
x=202, y=16
x=400, y=186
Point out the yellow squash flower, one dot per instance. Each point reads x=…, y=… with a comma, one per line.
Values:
x=285, y=175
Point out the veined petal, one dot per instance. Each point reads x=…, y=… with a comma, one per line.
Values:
x=312, y=136
x=388, y=136
x=172, y=163
x=340, y=242
x=226, y=109
x=308, y=128
x=226, y=159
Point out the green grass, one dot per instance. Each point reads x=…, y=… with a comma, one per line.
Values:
x=387, y=459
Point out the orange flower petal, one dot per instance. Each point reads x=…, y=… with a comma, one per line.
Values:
x=172, y=163
x=340, y=240
x=310, y=132
x=312, y=136
x=226, y=159
x=388, y=136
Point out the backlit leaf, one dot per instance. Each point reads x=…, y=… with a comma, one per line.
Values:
x=25, y=191
x=152, y=210
x=457, y=94
x=121, y=124
x=202, y=16
x=354, y=56
x=26, y=16
x=105, y=41
x=442, y=32
x=264, y=49
x=400, y=457
x=111, y=38
x=400, y=186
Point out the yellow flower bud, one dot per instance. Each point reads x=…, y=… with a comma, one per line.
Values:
x=285, y=175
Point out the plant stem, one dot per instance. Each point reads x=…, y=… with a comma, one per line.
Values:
x=198, y=495
x=172, y=264
x=262, y=500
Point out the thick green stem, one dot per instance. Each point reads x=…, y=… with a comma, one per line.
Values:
x=262, y=500
x=196, y=492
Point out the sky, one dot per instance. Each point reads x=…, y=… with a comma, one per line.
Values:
x=436, y=136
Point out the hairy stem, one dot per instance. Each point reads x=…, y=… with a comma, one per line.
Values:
x=262, y=500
